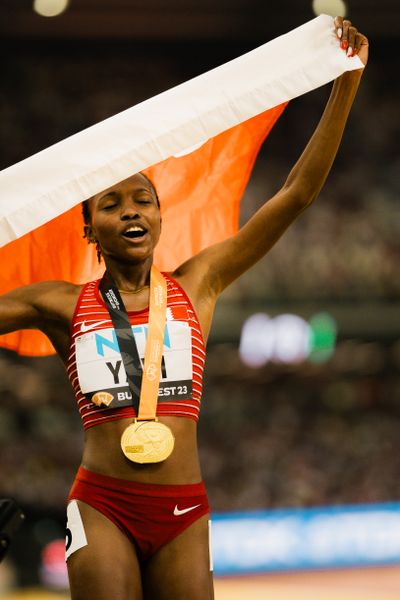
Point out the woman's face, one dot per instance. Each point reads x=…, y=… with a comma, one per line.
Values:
x=126, y=220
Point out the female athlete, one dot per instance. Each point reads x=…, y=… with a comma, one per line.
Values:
x=141, y=531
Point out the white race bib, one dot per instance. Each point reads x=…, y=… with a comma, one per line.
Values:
x=100, y=366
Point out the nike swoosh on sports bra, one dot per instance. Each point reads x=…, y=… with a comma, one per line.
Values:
x=96, y=370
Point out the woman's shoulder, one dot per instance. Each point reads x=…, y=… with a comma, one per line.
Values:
x=37, y=290
x=53, y=297
x=56, y=288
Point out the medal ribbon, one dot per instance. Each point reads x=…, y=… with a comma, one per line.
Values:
x=143, y=383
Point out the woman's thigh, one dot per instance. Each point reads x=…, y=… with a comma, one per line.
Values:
x=181, y=569
x=107, y=567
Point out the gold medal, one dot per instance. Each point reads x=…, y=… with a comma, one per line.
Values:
x=147, y=442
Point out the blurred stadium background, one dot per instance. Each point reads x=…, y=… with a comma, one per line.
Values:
x=302, y=430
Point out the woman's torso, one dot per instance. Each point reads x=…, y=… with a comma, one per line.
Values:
x=102, y=452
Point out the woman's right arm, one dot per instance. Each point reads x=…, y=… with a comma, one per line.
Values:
x=31, y=306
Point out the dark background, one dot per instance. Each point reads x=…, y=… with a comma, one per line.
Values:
x=281, y=435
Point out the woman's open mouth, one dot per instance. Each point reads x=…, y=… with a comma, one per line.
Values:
x=135, y=232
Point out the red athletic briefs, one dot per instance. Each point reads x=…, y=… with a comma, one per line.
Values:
x=150, y=515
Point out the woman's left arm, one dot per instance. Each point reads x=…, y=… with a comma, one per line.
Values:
x=224, y=262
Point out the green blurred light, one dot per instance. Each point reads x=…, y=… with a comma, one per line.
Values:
x=323, y=332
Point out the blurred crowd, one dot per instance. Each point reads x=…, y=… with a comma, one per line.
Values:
x=299, y=435
x=40, y=440
x=305, y=435
x=336, y=251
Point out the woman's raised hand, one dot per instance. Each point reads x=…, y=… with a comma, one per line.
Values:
x=351, y=40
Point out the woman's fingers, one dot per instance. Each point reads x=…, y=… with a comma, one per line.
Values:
x=351, y=40
x=363, y=48
x=357, y=43
x=339, y=26
x=345, y=36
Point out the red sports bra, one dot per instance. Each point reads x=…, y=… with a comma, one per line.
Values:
x=96, y=370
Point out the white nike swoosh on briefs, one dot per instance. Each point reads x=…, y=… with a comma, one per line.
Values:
x=178, y=512
x=85, y=327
